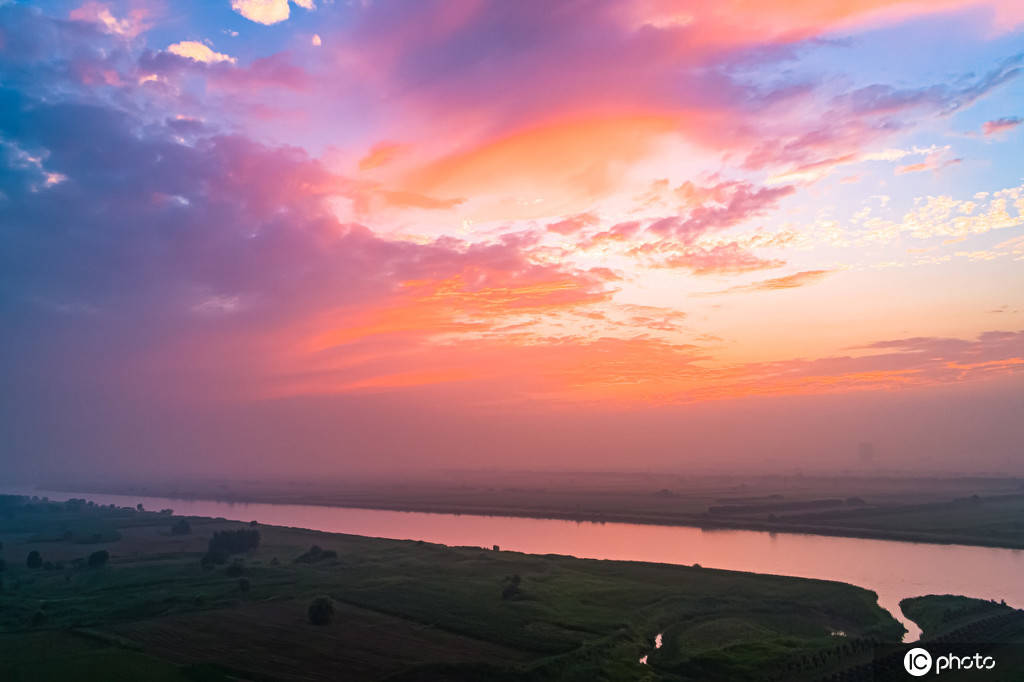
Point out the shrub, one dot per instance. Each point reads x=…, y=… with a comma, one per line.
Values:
x=38, y=618
x=315, y=554
x=310, y=555
x=3, y=565
x=234, y=570
x=321, y=611
x=181, y=527
x=34, y=559
x=99, y=559
x=243, y=585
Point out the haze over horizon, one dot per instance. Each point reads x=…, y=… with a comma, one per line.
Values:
x=268, y=238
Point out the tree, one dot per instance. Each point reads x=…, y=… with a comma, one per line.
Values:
x=99, y=559
x=214, y=557
x=234, y=541
x=243, y=585
x=321, y=611
x=511, y=590
x=34, y=559
x=181, y=527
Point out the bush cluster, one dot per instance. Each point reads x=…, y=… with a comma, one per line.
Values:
x=227, y=542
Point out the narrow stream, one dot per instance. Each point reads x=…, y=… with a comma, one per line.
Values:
x=657, y=645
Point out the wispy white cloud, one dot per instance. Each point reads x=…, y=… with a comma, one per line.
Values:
x=200, y=52
x=268, y=11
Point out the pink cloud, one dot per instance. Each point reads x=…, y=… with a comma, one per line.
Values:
x=573, y=224
x=720, y=259
x=721, y=206
x=138, y=20
x=933, y=162
x=1001, y=125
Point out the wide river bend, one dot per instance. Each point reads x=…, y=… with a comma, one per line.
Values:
x=894, y=570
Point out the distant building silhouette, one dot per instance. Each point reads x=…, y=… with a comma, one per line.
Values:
x=866, y=453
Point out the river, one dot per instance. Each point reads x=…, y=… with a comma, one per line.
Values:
x=894, y=570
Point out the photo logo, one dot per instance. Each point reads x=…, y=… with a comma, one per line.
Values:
x=917, y=662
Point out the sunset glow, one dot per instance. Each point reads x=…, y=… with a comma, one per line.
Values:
x=349, y=230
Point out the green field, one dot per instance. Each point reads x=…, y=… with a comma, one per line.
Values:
x=403, y=610
x=966, y=626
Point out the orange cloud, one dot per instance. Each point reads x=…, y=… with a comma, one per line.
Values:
x=381, y=154
x=473, y=301
x=793, y=281
x=566, y=162
x=642, y=370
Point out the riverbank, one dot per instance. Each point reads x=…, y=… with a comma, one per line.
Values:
x=404, y=610
x=980, y=512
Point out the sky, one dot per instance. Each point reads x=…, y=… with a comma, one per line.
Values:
x=324, y=237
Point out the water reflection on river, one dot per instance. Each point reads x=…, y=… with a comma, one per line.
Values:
x=892, y=569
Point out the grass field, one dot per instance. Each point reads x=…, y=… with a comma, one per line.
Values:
x=403, y=610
